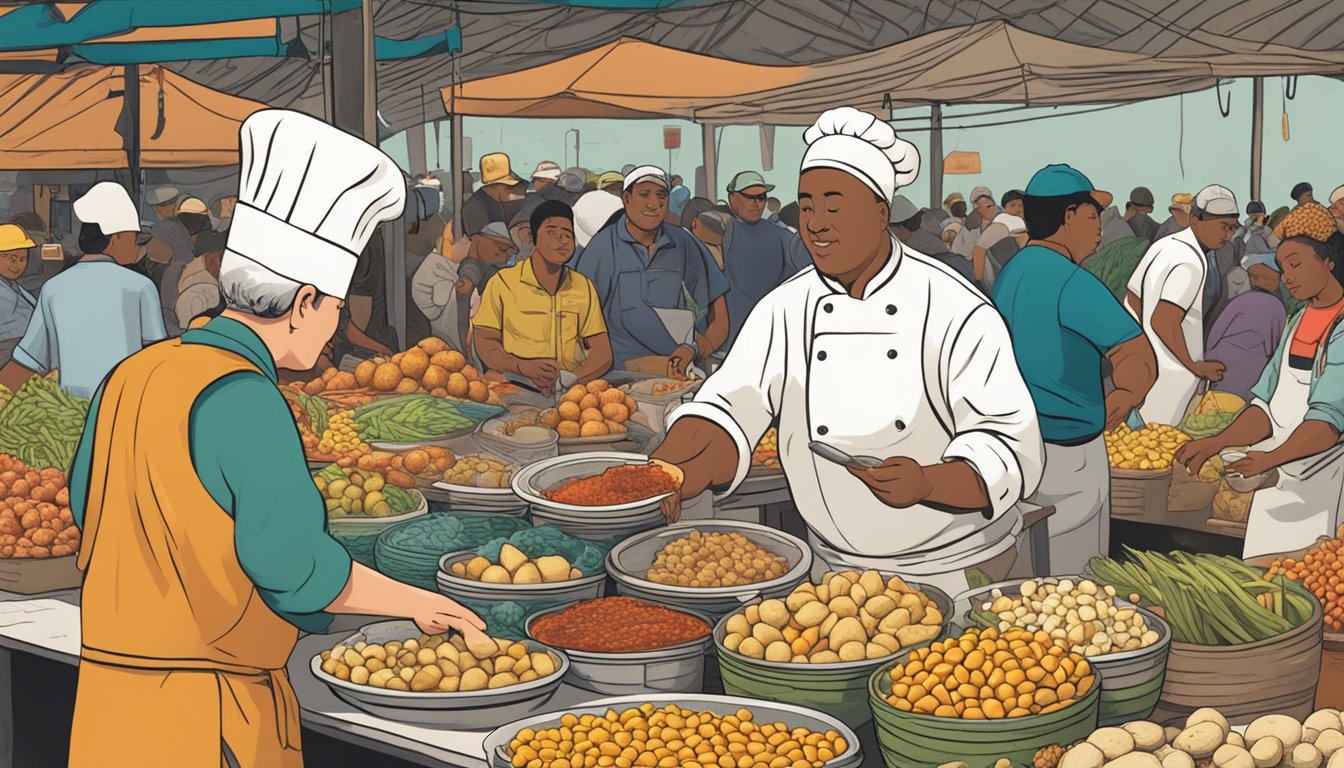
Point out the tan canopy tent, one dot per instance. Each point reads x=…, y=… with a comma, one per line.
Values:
x=625, y=79
x=69, y=119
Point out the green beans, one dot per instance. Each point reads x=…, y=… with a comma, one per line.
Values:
x=409, y=419
x=42, y=423
x=1208, y=599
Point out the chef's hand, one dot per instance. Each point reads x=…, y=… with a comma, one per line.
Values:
x=438, y=614
x=679, y=360
x=898, y=482
x=1119, y=404
x=543, y=373
x=1195, y=453
x=1209, y=370
x=1255, y=463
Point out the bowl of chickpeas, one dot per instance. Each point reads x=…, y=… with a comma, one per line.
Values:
x=712, y=568
x=708, y=728
x=392, y=670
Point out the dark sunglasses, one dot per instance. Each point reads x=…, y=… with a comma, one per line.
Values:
x=756, y=198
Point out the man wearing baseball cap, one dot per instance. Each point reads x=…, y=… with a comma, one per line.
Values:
x=758, y=255
x=662, y=294
x=497, y=199
x=1169, y=294
x=545, y=174
x=96, y=313
x=1063, y=320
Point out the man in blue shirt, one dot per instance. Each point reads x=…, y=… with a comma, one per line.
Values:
x=1063, y=320
x=758, y=255
x=662, y=294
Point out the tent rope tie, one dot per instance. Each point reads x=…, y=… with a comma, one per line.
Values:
x=1225, y=111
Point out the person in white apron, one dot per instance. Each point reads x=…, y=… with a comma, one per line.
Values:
x=1296, y=415
x=878, y=351
x=1168, y=296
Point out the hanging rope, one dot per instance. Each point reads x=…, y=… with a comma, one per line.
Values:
x=1180, y=140
x=1218, y=91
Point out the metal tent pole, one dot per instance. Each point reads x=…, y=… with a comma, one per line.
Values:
x=936, y=152
x=1257, y=135
x=455, y=169
x=370, y=76
x=711, y=162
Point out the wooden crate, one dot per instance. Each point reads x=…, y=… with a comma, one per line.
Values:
x=35, y=576
x=1138, y=492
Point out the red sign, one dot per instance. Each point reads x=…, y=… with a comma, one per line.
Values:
x=671, y=137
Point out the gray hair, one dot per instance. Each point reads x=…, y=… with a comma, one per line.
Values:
x=251, y=288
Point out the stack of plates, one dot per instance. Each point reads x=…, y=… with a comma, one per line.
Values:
x=604, y=523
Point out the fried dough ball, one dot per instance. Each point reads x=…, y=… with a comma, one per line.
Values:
x=414, y=363
x=436, y=377
x=597, y=386
x=593, y=429
x=568, y=429
x=364, y=373
x=386, y=377
x=438, y=392
x=609, y=396
x=451, y=360
x=575, y=394
x=568, y=411
x=342, y=380
x=407, y=387
x=589, y=401
x=616, y=412
x=432, y=345
x=590, y=415
x=457, y=385
x=478, y=391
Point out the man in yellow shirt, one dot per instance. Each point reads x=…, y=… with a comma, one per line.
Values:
x=539, y=317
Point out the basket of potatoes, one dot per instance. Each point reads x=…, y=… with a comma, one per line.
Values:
x=817, y=647
x=392, y=670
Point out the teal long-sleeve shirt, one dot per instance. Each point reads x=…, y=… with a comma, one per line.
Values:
x=248, y=456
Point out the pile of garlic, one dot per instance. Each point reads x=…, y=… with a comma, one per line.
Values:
x=1272, y=741
x=1083, y=614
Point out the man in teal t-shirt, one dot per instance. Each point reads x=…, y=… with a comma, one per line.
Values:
x=1063, y=320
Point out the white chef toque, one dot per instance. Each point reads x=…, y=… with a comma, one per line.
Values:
x=309, y=198
x=864, y=147
x=108, y=205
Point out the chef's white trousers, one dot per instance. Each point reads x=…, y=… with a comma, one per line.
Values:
x=1077, y=483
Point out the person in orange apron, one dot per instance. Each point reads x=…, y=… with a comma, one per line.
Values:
x=205, y=546
x=1296, y=415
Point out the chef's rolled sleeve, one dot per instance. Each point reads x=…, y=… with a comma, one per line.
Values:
x=994, y=418
x=743, y=395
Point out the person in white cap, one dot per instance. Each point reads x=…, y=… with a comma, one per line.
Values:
x=888, y=356
x=205, y=550
x=545, y=174
x=663, y=296
x=97, y=312
x=1169, y=293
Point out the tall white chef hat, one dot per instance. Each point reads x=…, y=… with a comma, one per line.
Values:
x=309, y=198
x=863, y=146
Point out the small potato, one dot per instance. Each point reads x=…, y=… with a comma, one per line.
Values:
x=502, y=679
x=427, y=679
x=1329, y=742
x=872, y=583
x=811, y=614
x=1176, y=759
x=774, y=613
x=879, y=606
x=553, y=568
x=908, y=636
x=352, y=658
x=398, y=684
x=516, y=651
x=954, y=764
x=511, y=558
x=474, y=680
x=732, y=641
x=839, y=585
x=1211, y=715
x=407, y=674
x=496, y=574
x=329, y=666
x=738, y=625
x=426, y=657
x=887, y=641
x=543, y=664
x=1286, y=729
x=522, y=665
x=359, y=675
x=1323, y=720
x=380, y=678
x=778, y=651
x=446, y=651
x=1147, y=736
x=1231, y=756
x=797, y=599
x=752, y=648
x=1267, y=751
x=374, y=651
x=875, y=651
x=869, y=623
x=766, y=634
x=1304, y=756
x=527, y=573
x=753, y=614
x=844, y=606
x=449, y=684
x=1113, y=742
x=448, y=668
x=505, y=664
x=342, y=671
x=895, y=621
x=1200, y=740
x=855, y=651
x=824, y=657
x=847, y=630
x=1084, y=755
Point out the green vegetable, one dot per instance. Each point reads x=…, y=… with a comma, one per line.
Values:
x=400, y=501
x=1114, y=263
x=1207, y=599
x=416, y=418
x=42, y=423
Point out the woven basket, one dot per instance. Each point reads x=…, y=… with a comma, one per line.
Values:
x=1139, y=492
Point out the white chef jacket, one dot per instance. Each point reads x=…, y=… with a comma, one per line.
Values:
x=1174, y=269
x=921, y=367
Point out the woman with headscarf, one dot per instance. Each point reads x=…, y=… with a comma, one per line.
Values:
x=1294, y=422
x=877, y=351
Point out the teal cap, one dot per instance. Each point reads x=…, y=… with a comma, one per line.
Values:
x=1059, y=180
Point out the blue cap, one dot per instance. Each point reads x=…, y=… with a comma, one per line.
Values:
x=1059, y=180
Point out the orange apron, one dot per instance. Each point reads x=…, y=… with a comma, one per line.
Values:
x=180, y=655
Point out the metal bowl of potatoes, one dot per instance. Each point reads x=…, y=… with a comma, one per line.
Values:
x=471, y=710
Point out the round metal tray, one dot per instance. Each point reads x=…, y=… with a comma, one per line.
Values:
x=534, y=480
x=584, y=588
x=497, y=742
x=472, y=710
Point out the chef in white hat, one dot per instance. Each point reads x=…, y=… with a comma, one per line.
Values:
x=205, y=550
x=96, y=313
x=882, y=353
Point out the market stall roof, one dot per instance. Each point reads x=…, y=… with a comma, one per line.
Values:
x=627, y=78
x=69, y=119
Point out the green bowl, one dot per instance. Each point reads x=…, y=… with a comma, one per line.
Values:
x=910, y=740
x=836, y=689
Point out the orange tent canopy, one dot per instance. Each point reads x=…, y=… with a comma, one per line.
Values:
x=626, y=79
x=68, y=120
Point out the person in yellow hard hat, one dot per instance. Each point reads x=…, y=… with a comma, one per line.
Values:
x=16, y=303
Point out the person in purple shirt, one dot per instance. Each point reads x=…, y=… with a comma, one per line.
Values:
x=1247, y=332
